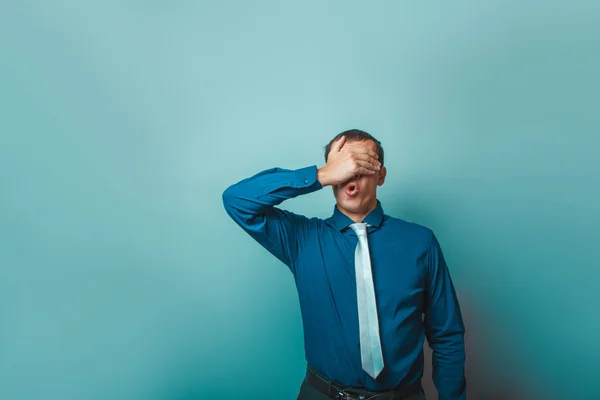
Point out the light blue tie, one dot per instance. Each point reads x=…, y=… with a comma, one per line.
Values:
x=368, y=322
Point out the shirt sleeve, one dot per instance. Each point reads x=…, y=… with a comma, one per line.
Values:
x=251, y=204
x=444, y=326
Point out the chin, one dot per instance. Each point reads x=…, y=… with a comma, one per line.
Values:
x=355, y=204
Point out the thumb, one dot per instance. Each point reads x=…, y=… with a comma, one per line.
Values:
x=338, y=144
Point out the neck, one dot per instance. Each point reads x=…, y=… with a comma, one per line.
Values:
x=358, y=217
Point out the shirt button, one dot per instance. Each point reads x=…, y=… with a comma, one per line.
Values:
x=305, y=181
x=359, y=381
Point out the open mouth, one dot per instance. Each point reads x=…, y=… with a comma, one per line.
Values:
x=352, y=189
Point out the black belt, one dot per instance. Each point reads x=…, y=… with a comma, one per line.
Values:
x=338, y=392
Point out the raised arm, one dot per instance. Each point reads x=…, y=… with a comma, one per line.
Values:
x=444, y=326
x=251, y=204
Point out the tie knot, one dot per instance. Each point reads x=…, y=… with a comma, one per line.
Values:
x=360, y=228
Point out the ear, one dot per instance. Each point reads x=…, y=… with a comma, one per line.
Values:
x=382, y=175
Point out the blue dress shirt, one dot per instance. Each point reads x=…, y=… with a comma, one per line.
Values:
x=414, y=291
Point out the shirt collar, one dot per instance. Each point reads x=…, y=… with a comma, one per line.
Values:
x=340, y=220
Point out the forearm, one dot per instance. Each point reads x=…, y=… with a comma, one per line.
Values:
x=256, y=194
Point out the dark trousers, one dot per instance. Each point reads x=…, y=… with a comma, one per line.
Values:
x=309, y=392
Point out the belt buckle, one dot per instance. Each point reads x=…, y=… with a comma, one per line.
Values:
x=341, y=395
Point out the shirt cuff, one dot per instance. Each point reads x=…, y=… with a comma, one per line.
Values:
x=307, y=178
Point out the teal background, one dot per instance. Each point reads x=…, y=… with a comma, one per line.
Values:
x=122, y=122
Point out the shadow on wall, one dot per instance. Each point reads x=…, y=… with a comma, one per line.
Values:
x=485, y=379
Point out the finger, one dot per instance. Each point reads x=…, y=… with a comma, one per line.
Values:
x=366, y=150
x=365, y=171
x=368, y=165
x=337, y=145
x=367, y=157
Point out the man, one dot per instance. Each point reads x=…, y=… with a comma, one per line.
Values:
x=371, y=286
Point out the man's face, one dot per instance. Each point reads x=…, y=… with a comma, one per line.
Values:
x=359, y=194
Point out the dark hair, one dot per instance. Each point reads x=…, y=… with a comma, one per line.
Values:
x=356, y=134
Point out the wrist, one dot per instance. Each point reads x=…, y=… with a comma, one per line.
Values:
x=322, y=176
